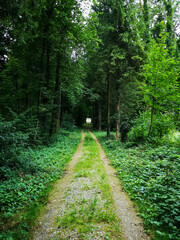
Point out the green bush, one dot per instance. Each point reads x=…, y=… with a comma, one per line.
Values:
x=68, y=122
x=172, y=137
x=12, y=142
x=162, y=125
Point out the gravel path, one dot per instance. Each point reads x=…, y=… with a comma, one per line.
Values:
x=132, y=225
x=89, y=201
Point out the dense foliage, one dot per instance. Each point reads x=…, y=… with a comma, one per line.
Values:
x=41, y=75
x=121, y=60
x=151, y=177
x=34, y=170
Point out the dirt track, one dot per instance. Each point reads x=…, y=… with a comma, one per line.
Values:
x=70, y=190
x=132, y=225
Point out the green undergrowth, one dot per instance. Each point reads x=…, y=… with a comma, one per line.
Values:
x=95, y=213
x=24, y=188
x=150, y=174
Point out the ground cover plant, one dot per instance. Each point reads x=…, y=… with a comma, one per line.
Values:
x=150, y=174
x=29, y=180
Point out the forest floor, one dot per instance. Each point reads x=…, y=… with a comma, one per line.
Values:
x=89, y=201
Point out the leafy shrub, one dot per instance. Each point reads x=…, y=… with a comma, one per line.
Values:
x=172, y=137
x=11, y=143
x=162, y=124
x=68, y=122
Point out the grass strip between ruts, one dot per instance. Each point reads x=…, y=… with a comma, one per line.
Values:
x=90, y=212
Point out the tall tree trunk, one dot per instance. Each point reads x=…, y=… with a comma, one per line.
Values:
x=55, y=111
x=61, y=110
x=46, y=85
x=108, y=105
x=39, y=91
x=118, y=111
x=38, y=115
x=99, y=114
x=47, y=77
x=58, y=100
x=58, y=113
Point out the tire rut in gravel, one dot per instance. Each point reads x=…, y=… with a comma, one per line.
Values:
x=45, y=223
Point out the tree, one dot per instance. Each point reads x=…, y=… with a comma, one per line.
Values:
x=161, y=75
x=120, y=46
x=39, y=39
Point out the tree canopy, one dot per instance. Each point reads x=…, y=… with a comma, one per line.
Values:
x=56, y=60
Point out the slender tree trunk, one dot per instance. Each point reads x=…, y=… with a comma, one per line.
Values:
x=39, y=91
x=118, y=111
x=61, y=110
x=152, y=116
x=56, y=99
x=140, y=4
x=153, y=108
x=52, y=122
x=99, y=114
x=47, y=79
x=58, y=112
x=46, y=98
x=38, y=114
x=108, y=105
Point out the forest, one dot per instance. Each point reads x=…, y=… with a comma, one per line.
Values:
x=116, y=62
